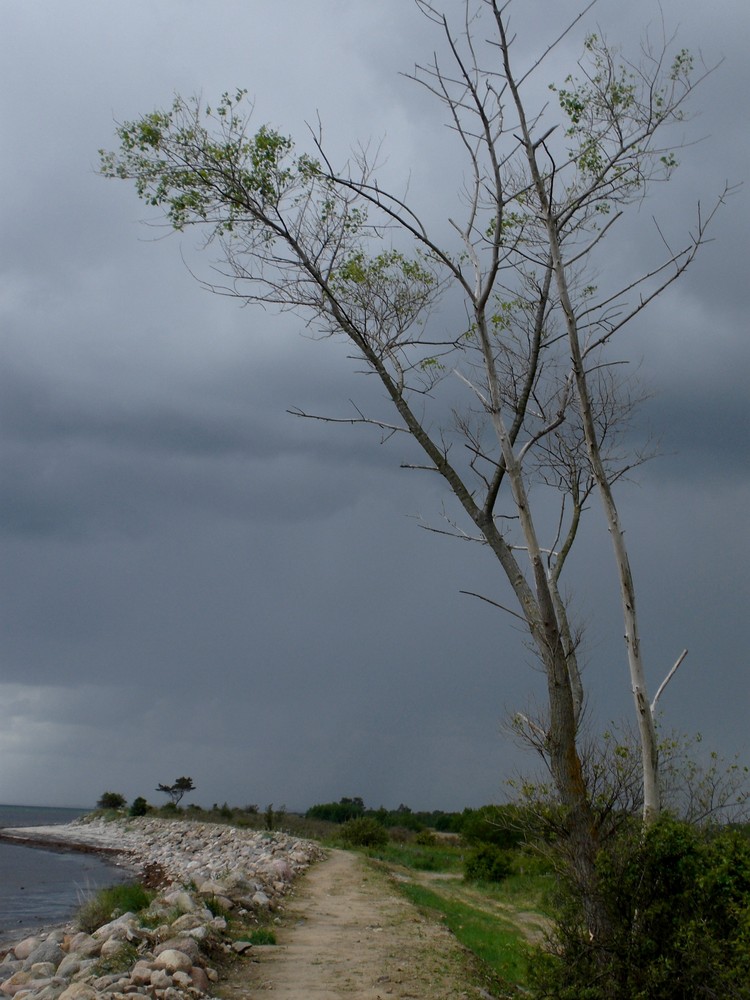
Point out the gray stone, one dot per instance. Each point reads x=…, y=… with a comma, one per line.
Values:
x=113, y=946
x=79, y=991
x=162, y=933
x=160, y=979
x=282, y=869
x=84, y=945
x=116, y=986
x=173, y=961
x=124, y=928
x=18, y=981
x=200, y=979
x=140, y=974
x=186, y=922
x=212, y=888
x=43, y=970
x=197, y=933
x=181, y=900
x=186, y=945
x=104, y=982
x=46, y=951
x=24, y=948
x=69, y=965
x=51, y=992
x=83, y=972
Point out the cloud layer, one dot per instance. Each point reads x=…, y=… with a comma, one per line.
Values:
x=197, y=582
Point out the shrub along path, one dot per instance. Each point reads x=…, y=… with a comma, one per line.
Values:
x=349, y=933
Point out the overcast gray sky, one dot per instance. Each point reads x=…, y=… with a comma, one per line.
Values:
x=195, y=582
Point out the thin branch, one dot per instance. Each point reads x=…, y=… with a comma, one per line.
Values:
x=488, y=600
x=667, y=679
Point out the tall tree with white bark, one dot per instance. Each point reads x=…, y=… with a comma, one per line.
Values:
x=523, y=401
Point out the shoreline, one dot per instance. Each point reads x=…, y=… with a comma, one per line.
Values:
x=60, y=838
x=171, y=947
x=39, y=837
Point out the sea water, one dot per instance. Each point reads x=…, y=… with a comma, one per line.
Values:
x=40, y=887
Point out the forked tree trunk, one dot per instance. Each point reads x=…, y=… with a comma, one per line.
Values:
x=644, y=713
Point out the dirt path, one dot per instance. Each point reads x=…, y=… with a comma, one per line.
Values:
x=349, y=934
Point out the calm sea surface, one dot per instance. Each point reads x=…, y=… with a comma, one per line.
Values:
x=39, y=887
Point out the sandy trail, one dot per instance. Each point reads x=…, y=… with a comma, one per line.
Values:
x=348, y=934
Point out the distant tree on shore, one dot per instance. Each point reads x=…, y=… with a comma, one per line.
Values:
x=178, y=789
x=139, y=807
x=111, y=800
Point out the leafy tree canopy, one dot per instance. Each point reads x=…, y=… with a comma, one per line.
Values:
x=178, y=789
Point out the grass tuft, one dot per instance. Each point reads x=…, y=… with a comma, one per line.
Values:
x=262, y=935
x=106, y=904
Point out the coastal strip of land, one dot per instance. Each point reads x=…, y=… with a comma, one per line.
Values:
x=202, y=875
x=229, y=920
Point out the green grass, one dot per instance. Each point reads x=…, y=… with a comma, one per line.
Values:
x=419, y=858
x=492, y=939
x=216, y=908
x=521, y=892
x=490, y=919
x=262, y=935
x=129, y=897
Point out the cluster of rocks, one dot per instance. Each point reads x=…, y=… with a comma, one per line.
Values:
x=168, y=951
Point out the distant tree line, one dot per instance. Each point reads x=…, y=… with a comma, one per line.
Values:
x=500, y=825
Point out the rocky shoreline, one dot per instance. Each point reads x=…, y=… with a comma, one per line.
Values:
x=201, y=870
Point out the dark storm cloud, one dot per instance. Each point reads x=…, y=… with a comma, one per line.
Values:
x=196, y=582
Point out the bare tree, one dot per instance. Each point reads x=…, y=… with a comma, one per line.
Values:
x=537, y=401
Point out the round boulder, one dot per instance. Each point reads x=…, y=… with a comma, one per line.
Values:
x=173, y=960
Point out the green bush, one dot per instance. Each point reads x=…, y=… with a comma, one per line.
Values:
x=363, y=832
x=111, y=800
x=426, y=839
x=487, y=863
x=678, y=906
x=139, y=807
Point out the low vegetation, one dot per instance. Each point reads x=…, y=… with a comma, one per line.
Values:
x=108, y=903
x=363, y=832
x=120, y=962
x=678, y=902
x=496, y=941
x=676, y=899
x=261, y=936
x=111, y=800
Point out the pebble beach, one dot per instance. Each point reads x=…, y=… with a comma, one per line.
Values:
x=168, y=952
